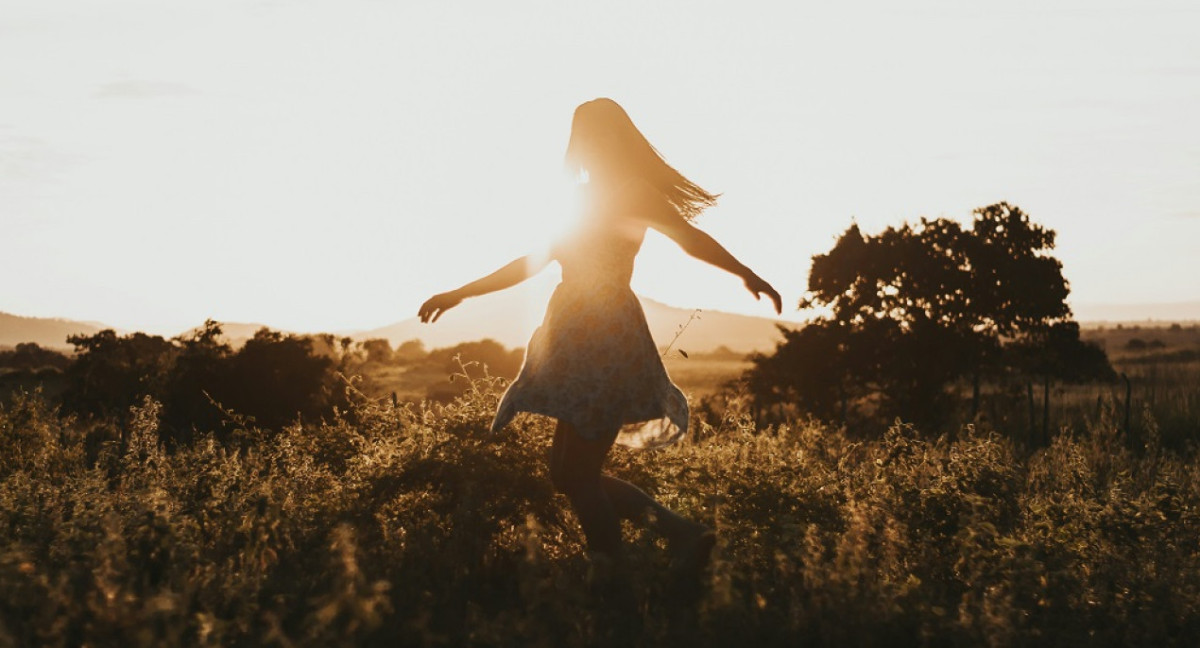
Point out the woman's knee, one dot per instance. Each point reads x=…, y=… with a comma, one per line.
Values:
x=570, y=479
x=575, y=462
x=560, y=474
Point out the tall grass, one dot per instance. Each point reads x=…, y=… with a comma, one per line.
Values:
x=1159, y=400
x=408, y=525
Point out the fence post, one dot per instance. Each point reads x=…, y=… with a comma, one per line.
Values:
x=1046, y=411
x=1128, y=399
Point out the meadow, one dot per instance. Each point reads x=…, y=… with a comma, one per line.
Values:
x=405, y=524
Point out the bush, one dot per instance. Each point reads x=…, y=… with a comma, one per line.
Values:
x=273, y=379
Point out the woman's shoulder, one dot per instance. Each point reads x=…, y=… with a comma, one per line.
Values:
x=638, y=199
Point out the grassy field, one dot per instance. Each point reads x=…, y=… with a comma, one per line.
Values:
x=399, y=522
x=408, y=526
x=698, y=376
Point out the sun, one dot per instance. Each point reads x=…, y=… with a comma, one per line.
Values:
x=555, y=215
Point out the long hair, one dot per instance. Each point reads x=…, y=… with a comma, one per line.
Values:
x=603, y=135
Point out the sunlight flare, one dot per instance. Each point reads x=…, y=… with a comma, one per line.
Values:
x=555, y=217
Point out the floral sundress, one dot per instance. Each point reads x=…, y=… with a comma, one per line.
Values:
x=592, y=362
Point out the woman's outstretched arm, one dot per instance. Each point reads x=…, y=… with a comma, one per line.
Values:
x=662, y=217
x=510, y=275
x=704, y=247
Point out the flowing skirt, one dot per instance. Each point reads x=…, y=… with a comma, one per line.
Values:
x=593, y=364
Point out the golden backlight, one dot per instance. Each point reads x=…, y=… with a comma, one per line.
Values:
x=560, y=216
x=331, y=164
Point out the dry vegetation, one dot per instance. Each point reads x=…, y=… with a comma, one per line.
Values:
x=406, y=525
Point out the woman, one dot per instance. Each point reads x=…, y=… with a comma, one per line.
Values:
x=592, y=364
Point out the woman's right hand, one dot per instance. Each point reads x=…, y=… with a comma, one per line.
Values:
x=435, y=306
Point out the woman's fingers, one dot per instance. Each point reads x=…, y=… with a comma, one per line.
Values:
x=436, y=306
x=776, y=300
x=429, y=310
x=758, y=287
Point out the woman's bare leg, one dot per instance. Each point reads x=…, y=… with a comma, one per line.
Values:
x=601, y=500
x=575, y=465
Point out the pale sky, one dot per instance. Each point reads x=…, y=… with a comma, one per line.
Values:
x=329, y=164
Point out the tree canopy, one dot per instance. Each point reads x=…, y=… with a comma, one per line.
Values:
x=273, y=378
x=918, y=306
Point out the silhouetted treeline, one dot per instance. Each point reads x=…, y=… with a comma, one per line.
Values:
x=918, y=310
x=31, y=357
x=273, y=379
x=29, y=367
x=933, y=323
x=207, y=385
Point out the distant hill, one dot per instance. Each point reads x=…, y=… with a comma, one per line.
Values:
x=46, y=332
x=52, y=333
x=236, y=333
x=511, y=316
x=1182, y=312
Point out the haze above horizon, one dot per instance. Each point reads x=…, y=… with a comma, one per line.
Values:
x=327, y=165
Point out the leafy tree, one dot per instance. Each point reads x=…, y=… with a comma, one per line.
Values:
x=917, y=307
x=378, y=350
x=201, y=371
x=1058, y=352
x=272, y=379
x=29, y=367
x=477, y=355
x=410, y=352
x=825, y=393
x=31, y=356
x=475, y=359
x=275, y=377
x=112, y=373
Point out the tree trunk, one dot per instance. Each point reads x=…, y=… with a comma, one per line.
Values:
x=1032, y=428
x=845, y=407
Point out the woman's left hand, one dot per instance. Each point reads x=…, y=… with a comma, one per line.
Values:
x=759, y=287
